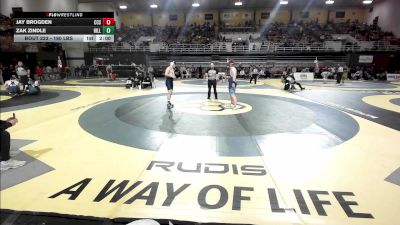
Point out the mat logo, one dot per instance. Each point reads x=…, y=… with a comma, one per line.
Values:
x=216, y=106
x=216, y=168
x=211, y=107
x=225, y=196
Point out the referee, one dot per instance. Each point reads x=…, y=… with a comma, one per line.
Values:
x=211, y=76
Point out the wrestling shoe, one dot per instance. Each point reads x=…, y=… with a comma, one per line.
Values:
x=11, y=164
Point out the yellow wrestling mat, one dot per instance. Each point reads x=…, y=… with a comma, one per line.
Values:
x=289, y=182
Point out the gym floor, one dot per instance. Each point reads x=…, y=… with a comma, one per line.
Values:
x=97, y=151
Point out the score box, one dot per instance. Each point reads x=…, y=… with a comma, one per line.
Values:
x=108, y=22
x=108, y=30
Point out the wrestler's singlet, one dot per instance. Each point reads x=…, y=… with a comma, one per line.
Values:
x=230, y=78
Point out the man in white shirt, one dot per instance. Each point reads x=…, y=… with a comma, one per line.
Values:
x=109, y=72
x=59, y=63
x=49, y=69
x=23, y=73
x=150, y=70
x=242, y=73
x=339, y=74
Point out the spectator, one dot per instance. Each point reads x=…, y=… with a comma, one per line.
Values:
x=12, y=86
x=6, y=161
x=84, y=70
x=49, y=69
x=6, y=73
x=39, y=72
x=129, y=83
x=23, y=73
x=109, y=72
x=339, y=75
x=200, y=72
x=12, y=71
x=1, y=74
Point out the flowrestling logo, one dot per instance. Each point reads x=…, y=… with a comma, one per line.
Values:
x=64, y=14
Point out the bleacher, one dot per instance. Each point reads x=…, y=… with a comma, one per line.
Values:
x=279, y=61
x=267, y=47
x=276, y=37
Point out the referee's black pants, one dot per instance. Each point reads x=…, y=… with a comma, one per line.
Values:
x=253, y=77
x=212, y=83
x=339, y=76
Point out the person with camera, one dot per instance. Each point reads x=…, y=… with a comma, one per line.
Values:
x=6, y=161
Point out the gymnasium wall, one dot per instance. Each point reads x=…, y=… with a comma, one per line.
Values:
x=387, y=10
x=314, y=15
x=352, y=14
x=166, y=19
x=162, y=19
x=237, y=17
x=201, y=17
x=38, y=5
x=280, y=16
x=136, y=19
x=100, y=7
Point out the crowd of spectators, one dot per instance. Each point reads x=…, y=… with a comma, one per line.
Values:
x=190, y=34
x=130, y=34
x=293, y=34
x=6, y=32
x=7, y=43
x=301, y=33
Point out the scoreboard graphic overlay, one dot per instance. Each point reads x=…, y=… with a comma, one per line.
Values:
x=64, y=27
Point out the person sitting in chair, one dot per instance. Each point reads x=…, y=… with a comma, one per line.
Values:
x=129, y=83
x=12, y=86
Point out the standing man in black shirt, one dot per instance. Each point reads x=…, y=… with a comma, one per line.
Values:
x=211, y=77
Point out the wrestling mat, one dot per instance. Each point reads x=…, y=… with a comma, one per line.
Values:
x=326, y=155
